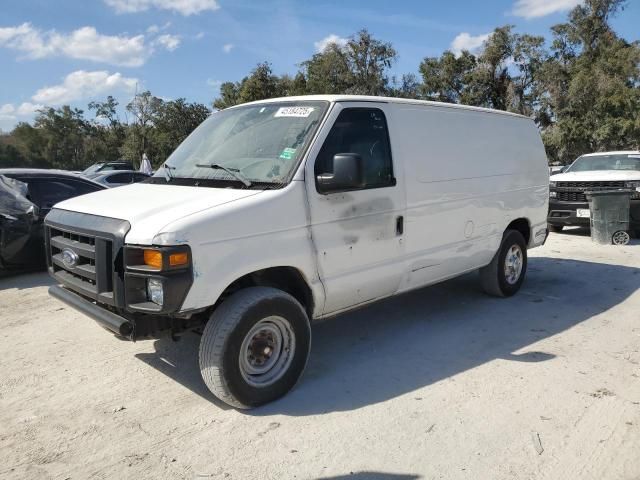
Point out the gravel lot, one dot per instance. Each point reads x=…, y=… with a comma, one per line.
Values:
x=439, y=383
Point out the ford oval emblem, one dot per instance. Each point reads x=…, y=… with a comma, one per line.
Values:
x=70, y=258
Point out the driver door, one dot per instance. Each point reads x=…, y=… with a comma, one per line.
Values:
x=358, y=234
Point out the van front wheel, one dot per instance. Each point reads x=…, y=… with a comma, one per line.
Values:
x=503, y=277
x=254, y=347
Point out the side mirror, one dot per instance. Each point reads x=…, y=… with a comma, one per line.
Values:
x=348, y=174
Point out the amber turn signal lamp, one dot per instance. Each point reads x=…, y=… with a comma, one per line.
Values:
x=153, y=258
x=178, y=259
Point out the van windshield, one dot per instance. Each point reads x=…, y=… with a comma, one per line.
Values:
x=606, y=162
x=256, y=144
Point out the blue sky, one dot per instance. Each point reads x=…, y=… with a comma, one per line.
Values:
x=55, y=52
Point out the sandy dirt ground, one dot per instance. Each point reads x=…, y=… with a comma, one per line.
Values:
x=444, y=382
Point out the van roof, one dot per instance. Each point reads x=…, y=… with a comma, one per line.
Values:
x=369, y=98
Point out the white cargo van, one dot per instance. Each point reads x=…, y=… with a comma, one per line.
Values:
x=274, y=213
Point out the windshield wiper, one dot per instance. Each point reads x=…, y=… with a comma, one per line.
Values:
x=234, y=172
x=168, y=176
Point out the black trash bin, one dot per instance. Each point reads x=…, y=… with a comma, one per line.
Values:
x=610, y=216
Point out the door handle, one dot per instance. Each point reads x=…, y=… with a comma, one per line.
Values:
x=399, y=225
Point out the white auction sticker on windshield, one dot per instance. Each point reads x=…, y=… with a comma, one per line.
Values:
x=300, y=112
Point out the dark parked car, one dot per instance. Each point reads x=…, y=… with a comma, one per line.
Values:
x=107, y=167
x=26, y=196
x=118, y=178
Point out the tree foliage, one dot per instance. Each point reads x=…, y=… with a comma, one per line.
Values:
x=581, y=86
x=65, y=138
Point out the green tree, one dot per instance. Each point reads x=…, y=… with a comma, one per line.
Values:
x=259, y=85
x=490, y=79
x=174, y=121
x=28, y=147
x=407, y=87
x=328, y=71
x=592, y=85
x=525, y=88
x=64, y=131
x=369, y=59
x=144, y=109
x=447, y=79
x=229, y=96
x=106, y=133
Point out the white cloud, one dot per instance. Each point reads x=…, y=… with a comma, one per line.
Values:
x=465, y=41
x=7, y=109
x=541, y=8
x=26, y=39
x=10, y=114
x=214, y=83
x=321, y=45
x=184, y=7
x=83, y=85
x=28, y=108
x=227, y=47
x=158, y=28
x=168, y=41
x=84, y=44
x=199, y=35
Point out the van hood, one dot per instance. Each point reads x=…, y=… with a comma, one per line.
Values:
x=597, y=176
x=150, y=207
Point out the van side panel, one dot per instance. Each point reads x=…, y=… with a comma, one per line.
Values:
x=469, y=174
x=266, y=230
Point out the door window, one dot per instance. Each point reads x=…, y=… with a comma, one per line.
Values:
x=139, y=177
x=119, y=178
x=45, y=193
x=362, y=131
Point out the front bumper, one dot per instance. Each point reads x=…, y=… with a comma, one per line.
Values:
x=109, y=320
x=564, y=214
x=126, y=325
x=99, y=283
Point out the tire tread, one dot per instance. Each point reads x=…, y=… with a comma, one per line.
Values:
x=223, y=321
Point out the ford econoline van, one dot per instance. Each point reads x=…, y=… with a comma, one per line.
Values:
x=276, y=213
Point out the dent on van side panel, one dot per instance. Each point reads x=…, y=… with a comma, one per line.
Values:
x=263, y=231
x=472, y=173
x=359, y=254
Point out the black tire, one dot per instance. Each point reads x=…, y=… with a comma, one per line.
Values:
x=493, y=277
x=223, y=336
x=556, y=228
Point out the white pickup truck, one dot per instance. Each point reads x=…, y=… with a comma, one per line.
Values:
x=275, y=213
x=568, y=204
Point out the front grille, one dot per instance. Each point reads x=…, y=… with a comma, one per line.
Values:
x=95, y=244
x=571, y=197
x=84, y=275
x=591, y=185
x=575, y=191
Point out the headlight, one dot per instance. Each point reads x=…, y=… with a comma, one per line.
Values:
x=553, y=194
x=158, y=259
x=552, y=184
x=634, y=185
x=155, y=291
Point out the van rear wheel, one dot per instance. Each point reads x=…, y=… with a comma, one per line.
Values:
x=254, y=347
x=503, y=277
